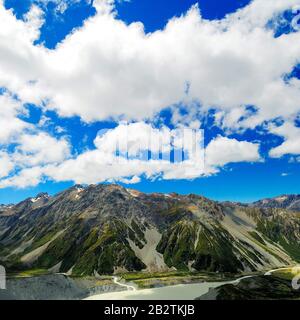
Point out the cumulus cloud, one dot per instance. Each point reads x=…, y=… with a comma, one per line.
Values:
x=26, y=178
x=219, y=60
x=110, y=70
x=103, y=164
x=41, y=149
x=6, y=165
x=25, y=166
x=11, y=125
x=24, y=147
x=222, y=151
x=291, y=144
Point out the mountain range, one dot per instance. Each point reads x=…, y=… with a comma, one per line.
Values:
x=106, y=229
x=289, y=202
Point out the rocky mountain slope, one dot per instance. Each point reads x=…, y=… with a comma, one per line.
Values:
x=255, y=288
x=289, y=202
x=105, y=229
x=55, y=287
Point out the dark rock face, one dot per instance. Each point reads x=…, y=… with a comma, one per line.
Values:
x=104, y=228
x=255, y=288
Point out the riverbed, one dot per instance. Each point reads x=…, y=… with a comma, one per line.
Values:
x=178, y=292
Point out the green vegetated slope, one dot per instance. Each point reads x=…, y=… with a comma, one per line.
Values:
x=105, y=229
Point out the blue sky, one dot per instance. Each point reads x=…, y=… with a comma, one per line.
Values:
x=251, y=135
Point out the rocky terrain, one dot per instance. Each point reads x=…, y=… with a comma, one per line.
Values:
x=254, y=288
x=289, y=202
x=54, y=287
x=107, y=229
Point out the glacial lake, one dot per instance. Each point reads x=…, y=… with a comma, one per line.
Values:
x=178, y=292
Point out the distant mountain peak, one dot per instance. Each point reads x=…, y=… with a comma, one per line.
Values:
x=78, y=187
x=285, y=201
x=41, y=195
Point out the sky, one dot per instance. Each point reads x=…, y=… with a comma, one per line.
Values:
x=80, y=77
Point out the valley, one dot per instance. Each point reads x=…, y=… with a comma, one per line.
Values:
x=89, y=234
x=42, y=285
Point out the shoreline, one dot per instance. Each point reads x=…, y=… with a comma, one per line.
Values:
x=117, y=287
x=175, y=292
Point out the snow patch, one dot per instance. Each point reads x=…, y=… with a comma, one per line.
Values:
x=134, y=193
x=33, y=200
x=281, y=199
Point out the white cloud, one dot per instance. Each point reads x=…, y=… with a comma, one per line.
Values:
x=34, y=21
x=291, y=144
x=101, y=164
x=26, y=178
x=133, y=180
x=219, y=59
x=222, y=151
x=108, y=69
x=62, y=5
x=134, y=137
x=26, y=165
x=285, y=174
x=41, y=149
x=6, y=165
x=11, y=125
x=25, y=147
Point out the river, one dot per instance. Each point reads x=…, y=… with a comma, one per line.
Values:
x=177, y=292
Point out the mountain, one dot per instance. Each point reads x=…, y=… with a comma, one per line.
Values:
x=289, y=202
x=105, y=229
